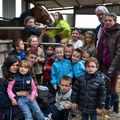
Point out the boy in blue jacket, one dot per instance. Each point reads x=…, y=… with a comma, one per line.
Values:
x=60, y=67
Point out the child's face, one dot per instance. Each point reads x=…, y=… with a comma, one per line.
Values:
x=14, y=67
x=88, y=38
x=75, y=35
x=56, y=17
x=64, y=42
x=34, y=42
x=30, y=23
x=65, y=86
x=23, y=70
x=31, y=58
x=76, y=57
x=50, y=51
x=21, y=46
x=91, y=68
x=68, y=52
x=59, y=52
x=85, y=56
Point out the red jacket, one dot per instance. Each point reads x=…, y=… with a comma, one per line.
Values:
x=47, y=69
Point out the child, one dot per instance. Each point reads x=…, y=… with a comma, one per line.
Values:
x=77, y=63
x=19, y=47
x=89, y=42
x=89, y=91
x=33, y=43
x=76, y=42
x=31, y=56
x=63, y=100
x=60, y=67
x=22, y=92
x=50, y=57
x=65, y=28
x=86, y=55
x=64, y=42
x=68, y=51
x=31, y=28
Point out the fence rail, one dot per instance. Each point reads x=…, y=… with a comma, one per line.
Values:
x=48, y=28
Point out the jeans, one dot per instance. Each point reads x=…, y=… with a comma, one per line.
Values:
x=58, y=115
x=85, y=116
x=26, y=105
x=108, y=100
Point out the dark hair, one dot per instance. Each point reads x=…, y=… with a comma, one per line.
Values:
x=67, y=78
x=78, y=51
x=15, y=42
x=10, y=60
x=28, y=18
x=50, y=46
x=76, y=29
x=92, y=59
x=60, y=16
x=113, y=15
x=29, y=52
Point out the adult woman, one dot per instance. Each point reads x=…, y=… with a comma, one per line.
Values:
x=9, y=69
x=108, y=53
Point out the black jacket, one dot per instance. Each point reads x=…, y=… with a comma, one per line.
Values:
x=89, y=92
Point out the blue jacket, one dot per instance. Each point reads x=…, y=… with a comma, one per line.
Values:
x=78, y=68
x=21, y=55
x=59, y=69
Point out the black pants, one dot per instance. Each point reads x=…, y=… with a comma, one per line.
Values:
x=6, y=113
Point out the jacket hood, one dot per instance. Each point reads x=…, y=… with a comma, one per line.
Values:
x=115, y=27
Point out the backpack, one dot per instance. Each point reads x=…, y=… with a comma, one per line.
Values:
x=4, y=99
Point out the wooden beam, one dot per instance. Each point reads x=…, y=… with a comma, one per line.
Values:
x=77, y=2
x=58, y=3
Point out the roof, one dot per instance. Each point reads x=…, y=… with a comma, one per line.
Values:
x=71, y=3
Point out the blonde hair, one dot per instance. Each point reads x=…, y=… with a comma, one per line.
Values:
x=26, y=64
x=30, y=39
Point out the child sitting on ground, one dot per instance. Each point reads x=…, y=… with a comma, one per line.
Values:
x=63, y=103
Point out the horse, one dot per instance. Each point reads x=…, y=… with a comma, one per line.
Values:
x=39, y=12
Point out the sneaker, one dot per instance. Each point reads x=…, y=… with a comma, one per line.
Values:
x=114, y=114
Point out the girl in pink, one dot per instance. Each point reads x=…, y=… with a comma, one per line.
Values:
x=22, y=92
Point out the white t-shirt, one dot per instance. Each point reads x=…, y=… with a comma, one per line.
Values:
x=78, y=44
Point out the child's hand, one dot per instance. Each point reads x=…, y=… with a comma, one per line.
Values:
x=99, y=111
x=31, y=99
x=39, y=59
x=55, y=87
x=14, y=102
x=67, y=105
x=74, y=106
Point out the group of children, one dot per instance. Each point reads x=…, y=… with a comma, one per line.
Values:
x=69, y=70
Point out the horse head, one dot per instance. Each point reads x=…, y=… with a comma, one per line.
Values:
x=42, y=14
